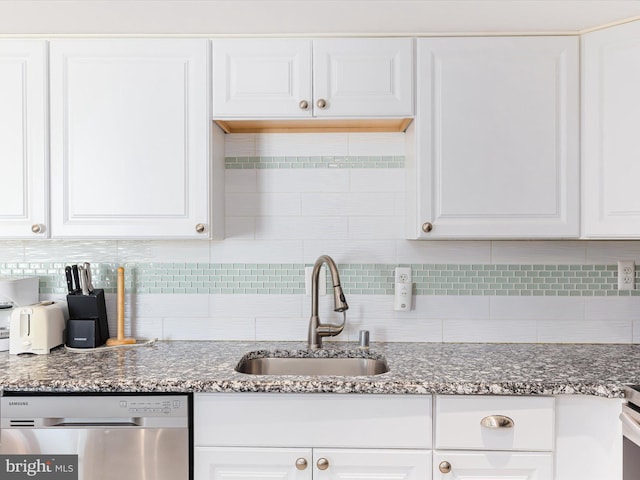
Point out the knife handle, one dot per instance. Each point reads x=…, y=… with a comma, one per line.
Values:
x=67, y=274
x=76, y=277
x=83, y=280
x=87, y=270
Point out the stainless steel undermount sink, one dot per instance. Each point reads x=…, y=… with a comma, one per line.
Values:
x=337, y=366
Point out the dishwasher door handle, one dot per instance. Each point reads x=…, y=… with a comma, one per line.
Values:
x=93, y=422
x=630, y=428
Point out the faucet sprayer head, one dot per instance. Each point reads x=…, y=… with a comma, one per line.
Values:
x=339, y=302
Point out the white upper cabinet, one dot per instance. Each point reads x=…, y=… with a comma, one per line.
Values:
x=130, y=138
x=23, y=139
x=298, y=78
x=261, y=78
x=610, y=132
x=496, y=150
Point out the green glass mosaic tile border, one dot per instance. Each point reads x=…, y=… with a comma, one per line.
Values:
x=359, y=279
x=382, y=161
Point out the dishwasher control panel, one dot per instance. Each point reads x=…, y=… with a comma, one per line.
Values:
x=45, y=409
x=151, y=405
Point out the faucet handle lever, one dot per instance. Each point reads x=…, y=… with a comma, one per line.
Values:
x=331, y=330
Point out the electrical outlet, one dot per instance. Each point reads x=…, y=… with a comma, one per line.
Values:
x=626, y=275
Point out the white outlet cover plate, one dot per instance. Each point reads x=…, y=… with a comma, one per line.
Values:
x=626, y=275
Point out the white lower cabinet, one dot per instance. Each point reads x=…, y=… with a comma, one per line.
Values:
x=492, y=465
x=248, y=436
x=226, y=463
x=312, y=436
x=493, y=437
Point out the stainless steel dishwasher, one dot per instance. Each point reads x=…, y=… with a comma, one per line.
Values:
x=141, y=436
x=630, y=418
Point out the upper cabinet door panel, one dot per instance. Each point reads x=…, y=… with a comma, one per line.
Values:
x=130, y=137
x=497, y=127
x=23, y=139
x=261, y=78
x=610, y=139
x=369, y=77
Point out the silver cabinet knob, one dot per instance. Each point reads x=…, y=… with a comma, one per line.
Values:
x=322, y=464
x=37, y=228
x=304, y=105
x=301, y=463
x=497, y=421
x=200, y=228
x=427, y=227
x=321, y=103
x=444, y=467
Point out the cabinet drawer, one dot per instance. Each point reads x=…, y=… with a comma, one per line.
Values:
x=492, y=465
x=320, y=420
x=459, y=423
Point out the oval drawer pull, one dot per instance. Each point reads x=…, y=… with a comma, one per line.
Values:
x=497, y=421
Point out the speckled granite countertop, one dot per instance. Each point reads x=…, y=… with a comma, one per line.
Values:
x=415, y=368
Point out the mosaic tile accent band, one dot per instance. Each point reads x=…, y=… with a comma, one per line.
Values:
x=358, y=279
x=383, y=161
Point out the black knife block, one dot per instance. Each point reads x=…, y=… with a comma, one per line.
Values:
x=87, y=326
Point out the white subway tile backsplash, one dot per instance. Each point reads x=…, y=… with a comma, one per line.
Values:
x=536, y=308
x=444, y=252
x=13, y=251
x=446, y=307
x=162, y=251
x=144, y=328
x=240, y=145
x=262, y=204
x=244, y=306
x=348, y=204
x=538, y=252
x=605, y=308
x=282, y=328
x=301, y=144
x=161, y=305
x=377, y=180
x=185, y=328
x=636, y=331
x=391, y=143
x=302, y=180
x=71, y=251
x=382, y=226
x=257, y=251
x=240, y=228
x=354, y=251
x=242, y=204
x=507, y=331
x=400, y=330
x=609, y=252
x=580, y=330
x=237, y=181
x=299, y=228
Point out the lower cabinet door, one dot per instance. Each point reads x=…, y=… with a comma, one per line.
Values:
x=492, y=465
x=243, y=463
x=371, y=464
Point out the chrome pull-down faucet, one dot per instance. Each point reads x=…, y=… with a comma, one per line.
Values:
x=318, y=330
